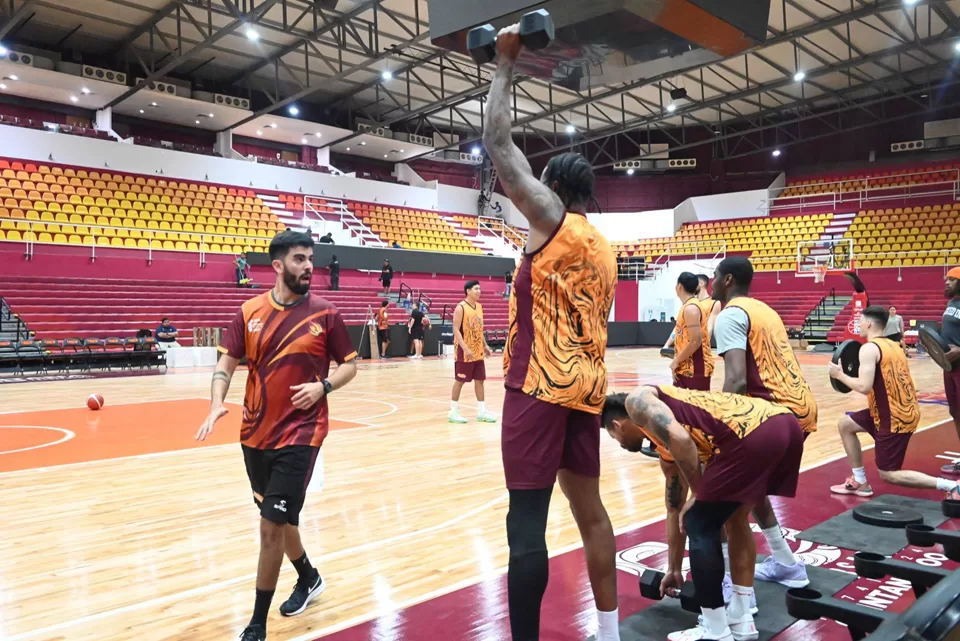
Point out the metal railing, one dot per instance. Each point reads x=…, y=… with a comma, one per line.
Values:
x=819, y=312
x=499, y=228
x=447, y=308
x=710, y=250
x=12, y=323
x=347, y=218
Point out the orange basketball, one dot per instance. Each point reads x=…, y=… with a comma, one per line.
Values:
x=94, y=402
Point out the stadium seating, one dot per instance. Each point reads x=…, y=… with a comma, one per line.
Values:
x=413, y=229
x=63, y=205
x=923, y=300
x=496, y=308
x=877, y=179
x=907, y=237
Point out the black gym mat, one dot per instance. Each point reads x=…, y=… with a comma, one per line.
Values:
x=843, y=531
x=659, y=620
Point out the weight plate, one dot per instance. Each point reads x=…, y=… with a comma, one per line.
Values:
x=847, y=355
x=889, y=516
x=936, y=347
x=950, y=508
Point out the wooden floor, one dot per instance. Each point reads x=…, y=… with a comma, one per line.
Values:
x=117, y=525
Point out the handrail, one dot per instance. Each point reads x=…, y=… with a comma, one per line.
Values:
x=498, y=227
x=404, y=287
x=443, y=313
x=956, y=173
x=7, y=318
x=424, y=298
x=862, y=195
x=820, y=311
x=719, y=248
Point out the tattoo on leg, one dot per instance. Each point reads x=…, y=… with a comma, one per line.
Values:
x=674, y=492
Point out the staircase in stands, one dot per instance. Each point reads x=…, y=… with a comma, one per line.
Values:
x=295, y=215
x=821, y=319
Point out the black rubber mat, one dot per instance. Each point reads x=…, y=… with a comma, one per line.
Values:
x=843, y=531
x=659, y=620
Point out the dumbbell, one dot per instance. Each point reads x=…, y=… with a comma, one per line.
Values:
x=536, y=32
x=650, y=589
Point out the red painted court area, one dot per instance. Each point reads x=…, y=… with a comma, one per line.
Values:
x=479, y=612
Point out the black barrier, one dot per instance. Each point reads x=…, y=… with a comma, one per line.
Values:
x=403, y=260
x=400, y=343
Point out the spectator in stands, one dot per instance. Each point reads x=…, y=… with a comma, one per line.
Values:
x=508, y=278
x=894, y=329
x=386, y=276
x=243, y=270
x=396, y=245
x=334, y=268
x=327, y=239
x=167, y=335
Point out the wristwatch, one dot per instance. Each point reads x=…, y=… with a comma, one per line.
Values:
x=327, y=387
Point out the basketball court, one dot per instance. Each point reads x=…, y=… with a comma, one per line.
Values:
x=120, y=526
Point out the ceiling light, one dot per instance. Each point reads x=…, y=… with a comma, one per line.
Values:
x=84, y=91
x=272, y=125
x=776, y=153
x=402, y=150
x=197, y=121
x=799, y=76
x=209, y=115
x=318, y=134
x=923, y=95
x=15, y=77
x=153, y=104
x=303, y=141
x=362, y=143
x=629, y=172
x=141, y=111
x=671, y=107
x=475, y=151
x=3, y=50
x=957, y=46
x=571, y=129
x=910, y=2
x=3, y=85
x=387, y=75
x=74, y=99
x=384, y=155
x=293, y=110
x=251, y=34
x=259, y=133
x=348, y=148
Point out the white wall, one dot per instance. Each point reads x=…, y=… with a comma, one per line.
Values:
x=457, y=200
x=634, y=226
x=659, y=295
x=45, y=146
x=405, y=173
x=740, y=204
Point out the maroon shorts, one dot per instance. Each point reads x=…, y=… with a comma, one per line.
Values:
x=701, y=383
x=467, y=372
x=891, y=447
x=764, y=463
x=538, y=439
x=951, y=385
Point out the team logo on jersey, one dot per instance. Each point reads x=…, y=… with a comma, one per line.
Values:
x=254, y=325
x=315, y=329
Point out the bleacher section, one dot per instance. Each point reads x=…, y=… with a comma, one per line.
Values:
x=843, y=182
x=907, y=237
x=496, y=308
x=921, y=300
x=63, y=205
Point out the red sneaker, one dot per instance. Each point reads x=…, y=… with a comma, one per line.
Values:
x=850, y=486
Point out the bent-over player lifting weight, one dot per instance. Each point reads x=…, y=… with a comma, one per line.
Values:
x=757, y=450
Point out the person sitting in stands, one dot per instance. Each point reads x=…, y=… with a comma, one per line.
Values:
x=327, y=239
x=243, y=271
x=167, y=335
x=396, y=245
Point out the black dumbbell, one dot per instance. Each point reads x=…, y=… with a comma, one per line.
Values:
x=536, y=32
x=650, y=589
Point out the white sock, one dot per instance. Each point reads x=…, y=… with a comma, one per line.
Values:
x=740, y=602
x=859, y=475
x=481, y=407
x=778, y=546
x=608, y=626
x=726, y=557
x=946, y=484
x=454, y=406
x=715, y=621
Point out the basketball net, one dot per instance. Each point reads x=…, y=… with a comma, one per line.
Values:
x=819, y=273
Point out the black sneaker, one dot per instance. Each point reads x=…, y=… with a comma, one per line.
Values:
x=301, y=597
x=253, y=633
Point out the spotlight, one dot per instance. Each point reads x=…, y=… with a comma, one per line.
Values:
x=3, y=85
x=259, y=133
x=84, y=91
x=3, y=50
x=671, y=107
x=141, y=111
x=402, y=150
x=15, y=77
x=475, y=151
x=387, y=75
x=252, y=34
x=318, y=134
x=799, y=76
x=348, y=148
x=303, y=141
x=362, y=144
x=74, y=99
x=957, y=46
x=196, y=121
x=910, y=3
x=571, y=129
x=292, y=110
x=384, y=155
x=209, y=115
x=629, y=172
x=272, y=125
x=776, y=153
x=153, y=104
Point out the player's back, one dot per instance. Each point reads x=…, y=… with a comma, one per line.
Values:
x=893, y=399
x=559, y=308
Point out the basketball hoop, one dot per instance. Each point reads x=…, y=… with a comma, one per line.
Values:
x=819, y=273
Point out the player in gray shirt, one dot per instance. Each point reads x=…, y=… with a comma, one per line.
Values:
x=894, y=329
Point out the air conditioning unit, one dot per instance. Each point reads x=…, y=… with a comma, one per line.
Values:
x=909, y=145
x=106, y=75
x=682, y=163
x=380, y=132
x=624, y=165
x=413, y=139
x=364, y=129
x=231, y=101
x=18, y=58
x=471, y=158
x=445, y=140
x=166, y=88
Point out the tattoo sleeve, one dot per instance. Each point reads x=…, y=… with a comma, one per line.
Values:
x=675, y=496
x=644, y=408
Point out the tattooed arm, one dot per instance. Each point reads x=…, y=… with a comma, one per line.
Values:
x=537, y=202
x=675, y=495
x=645, y=408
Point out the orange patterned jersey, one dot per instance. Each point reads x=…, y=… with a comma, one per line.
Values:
x=773, y=372
x=702, y=441
x=701, y=363
x=893, y=399
x=471, y=328
x=559, y=307
x=285, y=346
x=383, y=318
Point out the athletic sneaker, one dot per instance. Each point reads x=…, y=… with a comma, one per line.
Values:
x=301, y=597
x=253, y=633
x=486, y=417
x=454, y=417
x=698, y=633
x=951, y=468
x=792, y=576
x=727, y=587
x=850, y=486
x=744, y=629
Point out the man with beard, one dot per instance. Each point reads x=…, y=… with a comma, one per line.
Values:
x=950, y=332
x=289, y=337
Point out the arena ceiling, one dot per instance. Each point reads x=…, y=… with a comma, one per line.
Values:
x=855, y=55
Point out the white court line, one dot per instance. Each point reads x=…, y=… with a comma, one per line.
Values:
x=219, y=585
x=67, y=435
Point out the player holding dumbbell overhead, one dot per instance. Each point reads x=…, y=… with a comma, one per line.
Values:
x=759, y=362
x=757, y=450
x=692, y=366
x=554, y=367
x=950, y=332
x=892, y=415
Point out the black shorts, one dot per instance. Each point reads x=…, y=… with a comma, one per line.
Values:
x=279, y=480
x=386, y=282
x=417, y=333
x=896, y=338
x=383, y=335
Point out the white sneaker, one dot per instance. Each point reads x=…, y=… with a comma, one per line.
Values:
x=699, y=633
x=486, y=417
x=454, y=417
x=743, y=629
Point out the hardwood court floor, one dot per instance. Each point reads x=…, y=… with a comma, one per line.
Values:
x=118, y=526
